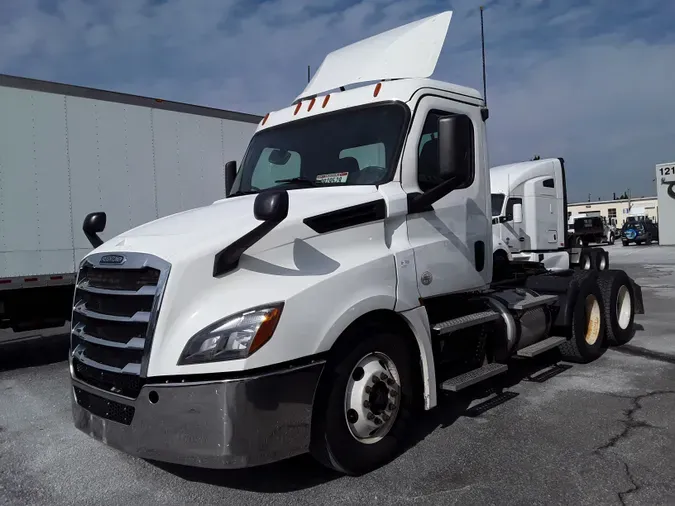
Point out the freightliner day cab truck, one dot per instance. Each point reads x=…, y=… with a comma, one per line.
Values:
x=529, y=209
x=342, y=285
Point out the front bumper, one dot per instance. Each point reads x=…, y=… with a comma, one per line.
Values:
x=230, y=423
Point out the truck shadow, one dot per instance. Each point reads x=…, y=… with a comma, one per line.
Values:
x=34, y=353
x=303, y=472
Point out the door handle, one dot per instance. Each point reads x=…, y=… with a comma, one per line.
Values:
x=521, y=239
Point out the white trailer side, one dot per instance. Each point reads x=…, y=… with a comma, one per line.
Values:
x=66, y=151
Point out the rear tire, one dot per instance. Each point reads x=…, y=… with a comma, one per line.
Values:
x=351, y=403
x=618, y=307
x=587, y=326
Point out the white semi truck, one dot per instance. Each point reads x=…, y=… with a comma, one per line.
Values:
x=65, y=150
x=529, y=209
x=342, y=285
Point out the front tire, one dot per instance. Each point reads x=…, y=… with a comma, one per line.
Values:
x=368, y=399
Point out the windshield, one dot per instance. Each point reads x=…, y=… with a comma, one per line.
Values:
x=352, y=147
x=497, y=203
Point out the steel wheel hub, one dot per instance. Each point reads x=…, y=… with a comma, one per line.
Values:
x=623, y=307
x=372, y=398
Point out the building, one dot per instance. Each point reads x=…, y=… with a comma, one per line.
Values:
x=665, y=191
x=616, y=211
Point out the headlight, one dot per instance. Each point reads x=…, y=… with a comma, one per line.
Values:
x=237, y=336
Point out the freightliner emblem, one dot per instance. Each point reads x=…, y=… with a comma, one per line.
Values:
x=112, y=259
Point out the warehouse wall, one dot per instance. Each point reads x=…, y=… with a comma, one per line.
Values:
x=665, y=192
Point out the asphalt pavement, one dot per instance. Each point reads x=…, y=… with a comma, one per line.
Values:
x=596, y=434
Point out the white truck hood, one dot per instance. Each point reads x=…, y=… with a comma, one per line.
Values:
x=206, y=230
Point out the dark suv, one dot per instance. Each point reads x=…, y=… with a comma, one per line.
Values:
x=639, y=230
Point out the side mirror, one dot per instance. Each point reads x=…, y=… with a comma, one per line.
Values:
x=452, y=148
x=517, y=213
x=93, y=224
x=230, y=174
x=271, y=206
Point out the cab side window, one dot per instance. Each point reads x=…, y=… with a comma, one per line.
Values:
x=428, y=169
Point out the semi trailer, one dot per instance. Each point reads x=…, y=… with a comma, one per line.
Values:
x=342, y=287
x=529, y=209
x=65, y=150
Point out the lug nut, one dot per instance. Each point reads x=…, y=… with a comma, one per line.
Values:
x=378, y=421
x=368, y=390
x=370, y=416
x=366, y=404
x=393, y=393
x=375, y=379
x=383, y=376
x=391, y=406
x=390, y=382
x=385, y=417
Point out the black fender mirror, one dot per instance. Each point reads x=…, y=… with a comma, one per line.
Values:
x=94, y=224
x=271, y=205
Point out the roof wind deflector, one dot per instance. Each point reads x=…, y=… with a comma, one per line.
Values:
x=408, y=51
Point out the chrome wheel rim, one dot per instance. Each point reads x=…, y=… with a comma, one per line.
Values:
x=372, y=398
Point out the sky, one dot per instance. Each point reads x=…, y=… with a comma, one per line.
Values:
x=590, y=81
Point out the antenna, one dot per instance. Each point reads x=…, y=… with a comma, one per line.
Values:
x=482, y=42
x=307, y=73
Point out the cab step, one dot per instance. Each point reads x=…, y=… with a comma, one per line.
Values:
x=465, y=321
x=529, y=301
x=542, y=346
x=472, y=377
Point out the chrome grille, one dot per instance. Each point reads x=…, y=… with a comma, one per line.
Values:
x=115, y=310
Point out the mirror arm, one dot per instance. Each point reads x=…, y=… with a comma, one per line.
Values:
x=422, y=201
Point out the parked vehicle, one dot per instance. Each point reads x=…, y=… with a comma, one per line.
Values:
x=65, y=150
x=529, y=205
x=344, y=282
x=639, y=230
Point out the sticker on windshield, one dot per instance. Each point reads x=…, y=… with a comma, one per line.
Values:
x=337, y=177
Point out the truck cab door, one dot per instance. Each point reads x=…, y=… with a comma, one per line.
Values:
x=452, y=238
x=513, y=234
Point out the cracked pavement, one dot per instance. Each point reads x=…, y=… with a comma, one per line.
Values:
x=595, y=434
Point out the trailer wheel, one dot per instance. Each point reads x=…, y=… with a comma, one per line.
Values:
x=619, y=306
x=588, y=325
x=369, y=398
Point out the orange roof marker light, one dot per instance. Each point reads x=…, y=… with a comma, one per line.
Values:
x=378, y=86
x=325, y=100
x=265, y=118
x=297, y=108
x=311, y=104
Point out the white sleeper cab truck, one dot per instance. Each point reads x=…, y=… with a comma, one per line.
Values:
x=342, y=285
x=529, y=209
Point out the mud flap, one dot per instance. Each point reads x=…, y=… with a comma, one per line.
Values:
x=639, y=304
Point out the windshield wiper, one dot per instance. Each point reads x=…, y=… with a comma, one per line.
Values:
x=301, y=180
x=239, y=193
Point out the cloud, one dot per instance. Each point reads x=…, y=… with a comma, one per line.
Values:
x=590, y=81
